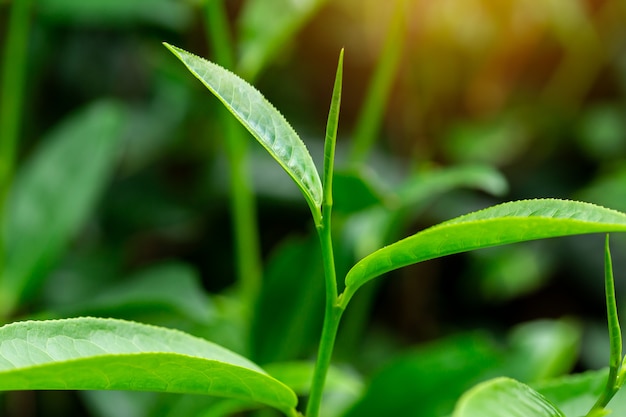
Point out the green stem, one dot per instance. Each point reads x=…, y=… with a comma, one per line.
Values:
x=371, y=114
x=245, y=227
x=615, y=336
x=11, y=100
x=332, y=312
x=332, y=317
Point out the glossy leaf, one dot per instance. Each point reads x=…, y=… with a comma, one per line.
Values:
x=53, y=194
x=499, y=225
x=262, y=120
x=504, y=397
x=107, y=354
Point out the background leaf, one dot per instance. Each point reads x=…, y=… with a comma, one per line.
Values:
x=504, y=397
x=54, y=193
x=261, y=40
x=288, y=316
x=436, y=374
x=173, y=288
x=261, y=119
x=499, y=225
x=88, y=353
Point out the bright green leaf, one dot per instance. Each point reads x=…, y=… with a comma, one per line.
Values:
x=512, y=222
x=53, y=194
x=262, y=120
x=107, y=354
x=504, y=397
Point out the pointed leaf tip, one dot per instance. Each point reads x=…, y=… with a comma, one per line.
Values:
x=268, y=126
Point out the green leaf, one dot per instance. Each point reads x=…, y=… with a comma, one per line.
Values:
x=54, y=193
x=166, y=288
x=503, y=224
x=171, y=14
x=576, y=394
x=356, y=190
x=422, y=186
x=287, y=319
x=107, y=354
x=436, y=374
x=543, y=349
x=262, y=40
x=504, y=397
x=262, y=120
x=331, y=136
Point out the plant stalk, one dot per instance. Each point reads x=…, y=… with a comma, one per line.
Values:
x=332, y=311
x=332, y=317
x=371, y=114
x=11, y=103
x=243, y=207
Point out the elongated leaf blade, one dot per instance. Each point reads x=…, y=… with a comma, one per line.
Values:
x=262, y=120
x=53, y=194
x=506, y=223
x=504, y=397
x=107, y=354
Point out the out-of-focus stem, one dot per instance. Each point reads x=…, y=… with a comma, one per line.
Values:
x=11, y=101
x=245, y=227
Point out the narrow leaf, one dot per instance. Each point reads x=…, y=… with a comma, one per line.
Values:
x=331, y=134
x=504, y=397
x=107, y=354
x=53, y=194
x=262, y=120
x=512, y=222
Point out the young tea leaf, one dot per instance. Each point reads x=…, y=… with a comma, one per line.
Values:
x=506, y=223
x=262, y=120
x=504, y=397
x=107, y=354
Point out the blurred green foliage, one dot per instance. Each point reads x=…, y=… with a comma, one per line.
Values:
x=141, y=227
